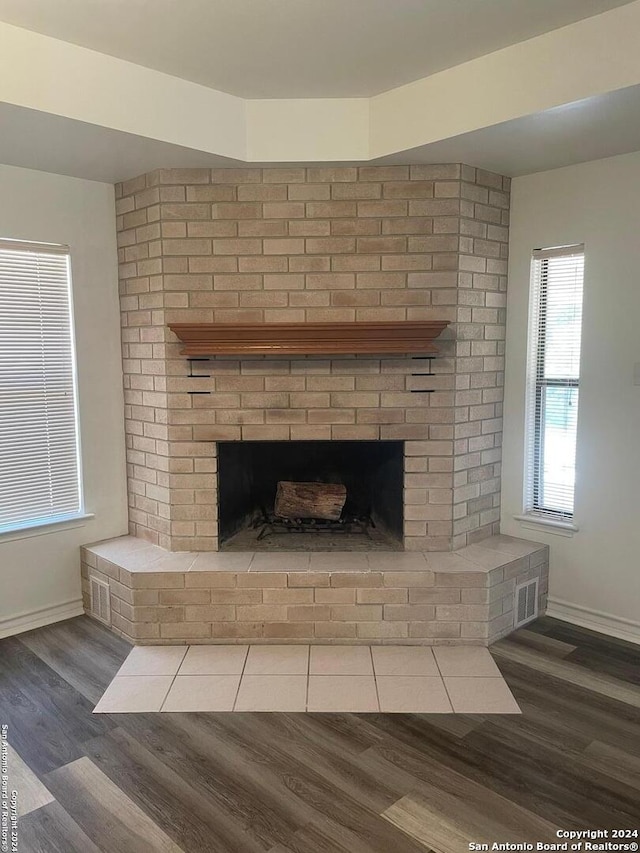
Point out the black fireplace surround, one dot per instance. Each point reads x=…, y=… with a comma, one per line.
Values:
x=372, y=471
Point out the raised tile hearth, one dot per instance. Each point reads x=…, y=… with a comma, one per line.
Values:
x=415, y=598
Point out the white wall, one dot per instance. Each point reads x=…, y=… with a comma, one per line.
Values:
x=40, y=575
x=595, y=574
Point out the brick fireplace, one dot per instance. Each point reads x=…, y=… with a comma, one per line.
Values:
x=326, y=244
x=415, y=439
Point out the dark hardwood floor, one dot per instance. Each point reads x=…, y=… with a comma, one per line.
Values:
x=322, y=783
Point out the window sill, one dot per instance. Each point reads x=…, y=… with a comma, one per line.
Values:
x=41, y=528
x=552, y=525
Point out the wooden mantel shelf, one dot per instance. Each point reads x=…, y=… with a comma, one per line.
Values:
x=402, y=337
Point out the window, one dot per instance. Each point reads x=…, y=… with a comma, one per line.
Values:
x=553, y=378
x=39, y=447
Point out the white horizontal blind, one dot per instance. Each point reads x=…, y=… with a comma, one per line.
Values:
x=553, y=378
x=39, y=459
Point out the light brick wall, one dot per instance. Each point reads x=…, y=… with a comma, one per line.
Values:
x=324, y=606
x=480, y=342
x=314, y=244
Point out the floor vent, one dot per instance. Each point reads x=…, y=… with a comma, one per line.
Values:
x=100, y=604
x=526, y=602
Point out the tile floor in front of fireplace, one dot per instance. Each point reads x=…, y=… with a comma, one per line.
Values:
x=292, y=678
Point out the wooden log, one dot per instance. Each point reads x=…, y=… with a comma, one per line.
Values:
x=310, y=500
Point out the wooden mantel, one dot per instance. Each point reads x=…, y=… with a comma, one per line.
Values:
x=397, y=338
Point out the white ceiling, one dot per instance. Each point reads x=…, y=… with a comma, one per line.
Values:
x=597, y=127
x=298, y=48
x=33, y=139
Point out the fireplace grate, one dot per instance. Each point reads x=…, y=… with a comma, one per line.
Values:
x=271, y=524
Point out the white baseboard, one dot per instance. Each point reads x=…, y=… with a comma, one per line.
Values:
x=40, y=618
x=605, y=623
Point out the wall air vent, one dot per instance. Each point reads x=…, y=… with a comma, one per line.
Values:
x=100, y=602
x=526, y=602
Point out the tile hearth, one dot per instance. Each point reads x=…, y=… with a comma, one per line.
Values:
x=420, y=598
x=285, y=678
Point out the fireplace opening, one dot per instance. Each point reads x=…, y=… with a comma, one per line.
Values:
x=369, y=515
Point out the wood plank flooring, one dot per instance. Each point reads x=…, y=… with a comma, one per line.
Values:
x=321, y=783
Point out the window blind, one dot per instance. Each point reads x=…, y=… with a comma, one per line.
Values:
x=39, y=458
x=553, y=378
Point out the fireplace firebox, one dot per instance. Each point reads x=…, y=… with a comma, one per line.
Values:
x=371, y=471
